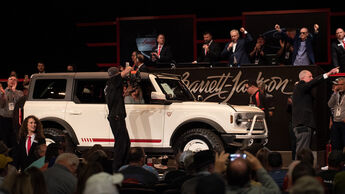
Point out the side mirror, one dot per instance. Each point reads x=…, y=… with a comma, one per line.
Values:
x=158, y=98
x=200, y=98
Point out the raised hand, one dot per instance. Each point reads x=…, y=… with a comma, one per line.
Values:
x=316, y=27
x=220, y=162
x=242, y=30
x=277, y=27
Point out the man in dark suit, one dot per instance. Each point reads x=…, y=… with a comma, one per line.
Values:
x=338, y=50
x=210, y=49
x=236, y=50
x=162, y=53
x=302, y=107
x=140, y=65
x=303, y=53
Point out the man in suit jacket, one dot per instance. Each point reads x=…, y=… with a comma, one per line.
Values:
x=210, y=49
x=162, y=53
x=303, y=53
x=236, y=50
x=338, y=50
x=140, y=65
x=302, y=107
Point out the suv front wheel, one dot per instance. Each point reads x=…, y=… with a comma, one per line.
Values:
x=199, y=139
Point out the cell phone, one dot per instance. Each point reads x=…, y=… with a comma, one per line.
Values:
x=234, y=156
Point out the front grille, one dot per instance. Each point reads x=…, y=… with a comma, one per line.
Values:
x=247, y=120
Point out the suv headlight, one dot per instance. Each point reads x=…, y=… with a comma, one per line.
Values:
x=239, y=119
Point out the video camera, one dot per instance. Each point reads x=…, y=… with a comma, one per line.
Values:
x=133, y=79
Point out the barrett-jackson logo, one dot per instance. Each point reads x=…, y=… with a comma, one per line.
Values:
x=224, y=86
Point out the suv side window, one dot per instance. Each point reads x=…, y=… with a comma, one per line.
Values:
x=140, y=93
x=50, y=89
x=90, y=91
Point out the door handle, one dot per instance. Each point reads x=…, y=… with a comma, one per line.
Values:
x=73, y=112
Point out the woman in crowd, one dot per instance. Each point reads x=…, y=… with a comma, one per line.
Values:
x=30, y=136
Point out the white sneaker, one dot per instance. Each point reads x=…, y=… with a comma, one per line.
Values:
x=324, y=168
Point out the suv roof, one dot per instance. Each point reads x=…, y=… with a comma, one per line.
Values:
x=81, y=75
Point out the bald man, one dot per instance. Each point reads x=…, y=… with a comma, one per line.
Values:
x=302, y=107
x=338, y=50
x=238, y=176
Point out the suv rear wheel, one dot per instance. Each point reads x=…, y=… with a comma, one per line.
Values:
x=199, y=139
x=54, y=135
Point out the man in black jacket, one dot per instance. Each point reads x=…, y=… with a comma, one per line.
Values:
x=338, y=50
x=162, y=53
x=117, y=114
x=302, y=107
x=210, y=50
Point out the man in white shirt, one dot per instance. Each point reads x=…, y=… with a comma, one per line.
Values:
x=236, y=50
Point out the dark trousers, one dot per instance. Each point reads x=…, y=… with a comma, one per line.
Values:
x=338, y=136
x=292, y=141
x=303, y=137
x=122, y=142
x=7, y=134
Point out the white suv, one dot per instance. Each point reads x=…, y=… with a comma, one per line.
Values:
x=72, y=106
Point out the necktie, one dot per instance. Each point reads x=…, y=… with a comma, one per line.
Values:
x=206, y=51
x=159, y=49
x=29, y=144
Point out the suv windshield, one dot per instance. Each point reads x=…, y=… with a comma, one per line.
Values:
x=175, y=90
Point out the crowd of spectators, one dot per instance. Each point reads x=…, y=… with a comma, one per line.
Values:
x=251, y=171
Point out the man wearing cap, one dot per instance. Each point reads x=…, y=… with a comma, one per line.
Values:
x=337, y=104
x=117, y=114
x=203, y=165
x=4, y=160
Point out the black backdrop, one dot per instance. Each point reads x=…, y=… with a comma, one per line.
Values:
x=227, y=85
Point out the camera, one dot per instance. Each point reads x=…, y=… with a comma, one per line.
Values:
x=133, y=79
x=234, y=156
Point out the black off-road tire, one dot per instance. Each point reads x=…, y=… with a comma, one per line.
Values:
x=58, y=136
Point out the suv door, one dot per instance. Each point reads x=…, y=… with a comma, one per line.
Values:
x=48, y=98
x=87, y=113
x=144, y=120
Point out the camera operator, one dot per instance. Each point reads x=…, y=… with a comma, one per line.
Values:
x=336, y=102
x=117, y=114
